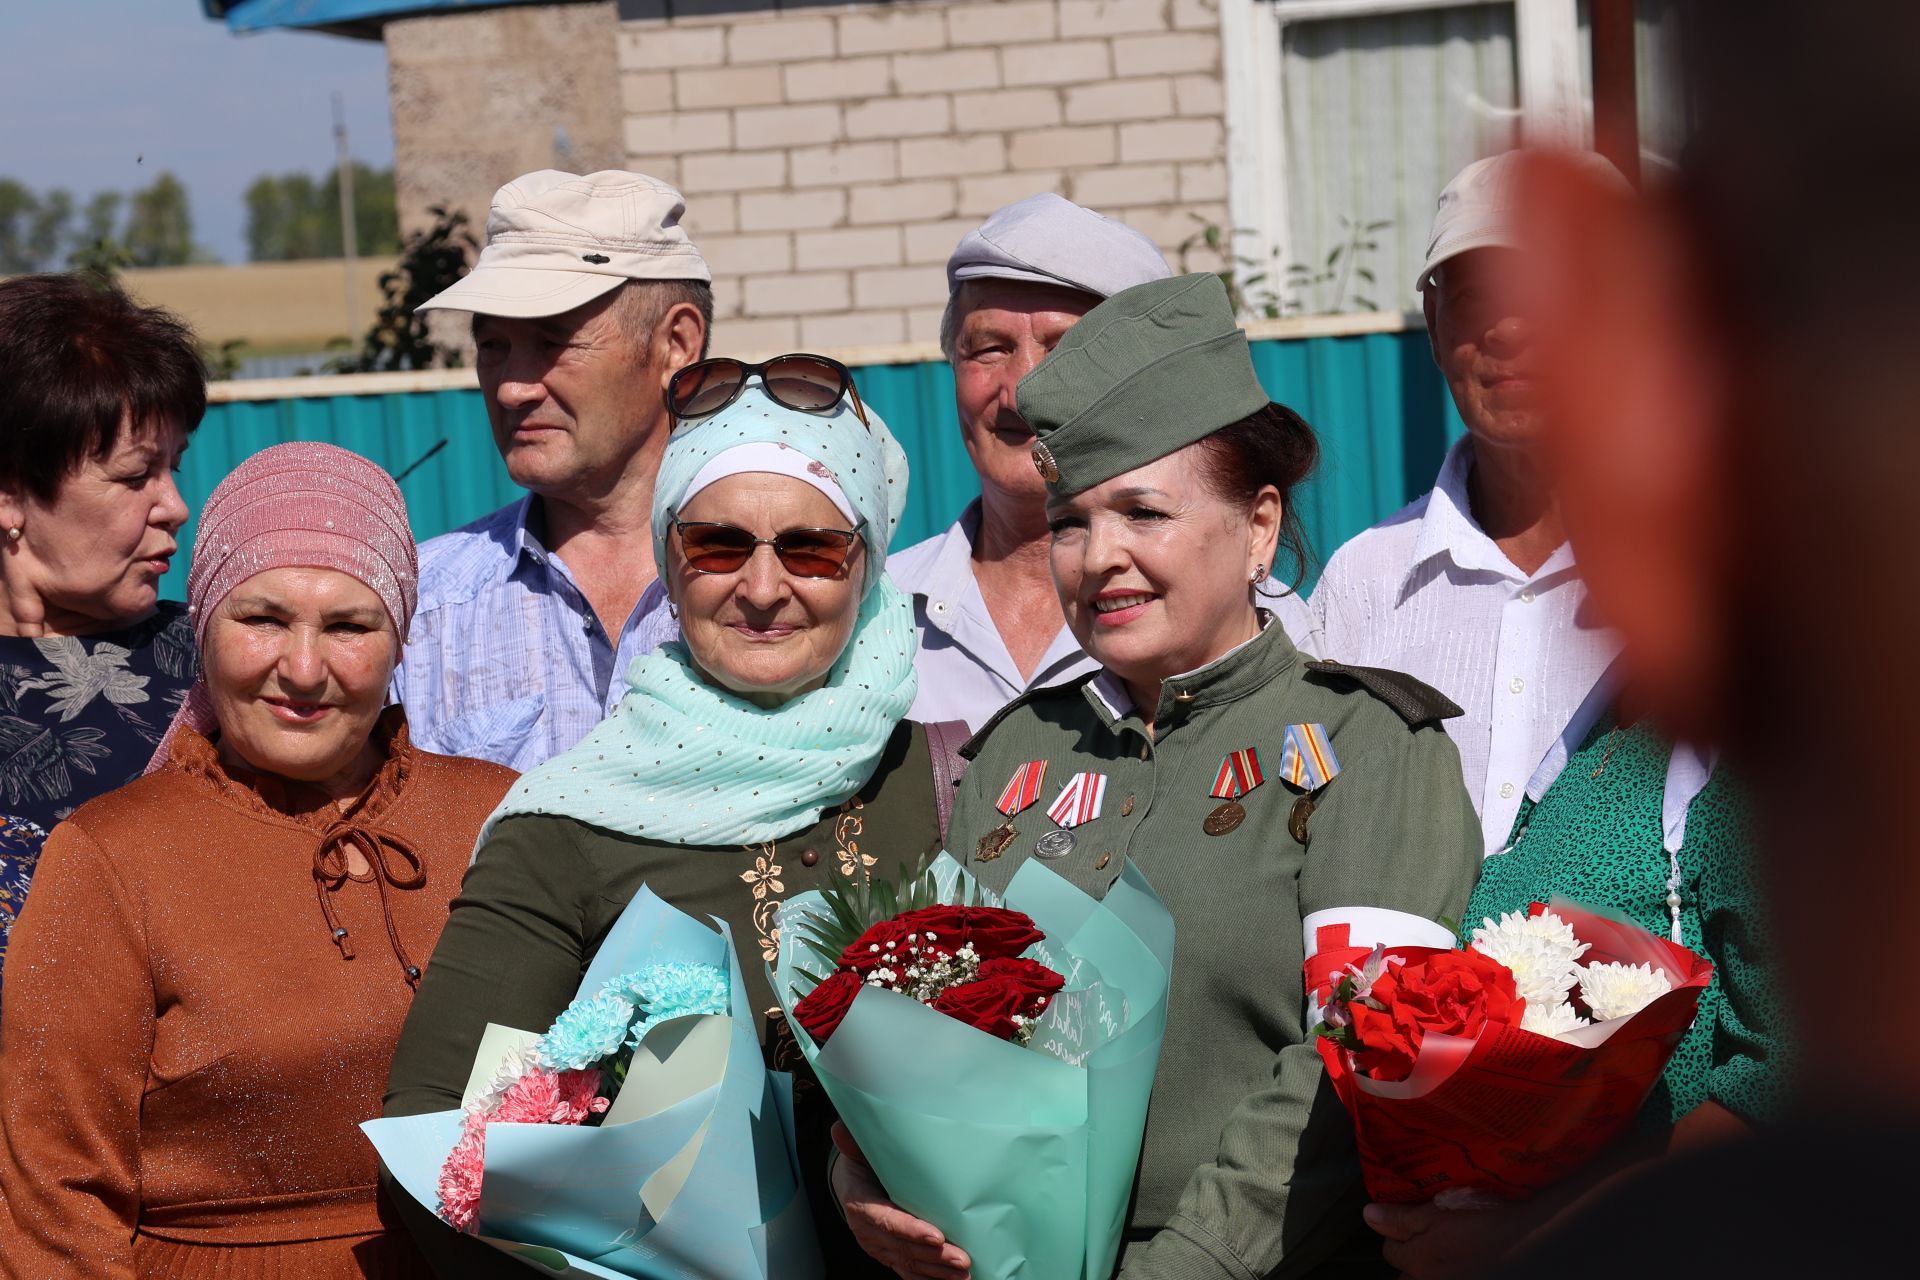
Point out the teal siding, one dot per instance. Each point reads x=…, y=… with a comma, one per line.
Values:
x=1381, y=410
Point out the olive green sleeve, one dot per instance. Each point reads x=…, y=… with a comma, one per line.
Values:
x=512, y=953
x=1395, y=830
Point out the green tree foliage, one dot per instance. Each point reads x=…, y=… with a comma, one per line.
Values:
x=159, y=230
x=431, y=260
x=293, y=216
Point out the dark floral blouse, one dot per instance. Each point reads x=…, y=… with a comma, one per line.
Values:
x=79, y=716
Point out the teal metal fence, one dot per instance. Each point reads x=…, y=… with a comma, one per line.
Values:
x=1381, y=410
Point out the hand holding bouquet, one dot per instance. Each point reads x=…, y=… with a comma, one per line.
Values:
x=992, y=1059
x=1502, y=1067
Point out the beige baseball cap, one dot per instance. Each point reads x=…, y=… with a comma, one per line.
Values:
x=558, y=240
x=1477, y=209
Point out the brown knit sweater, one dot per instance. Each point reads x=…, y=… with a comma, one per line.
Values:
x=187, y=1051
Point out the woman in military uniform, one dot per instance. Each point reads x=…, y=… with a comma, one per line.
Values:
x=1262, y=794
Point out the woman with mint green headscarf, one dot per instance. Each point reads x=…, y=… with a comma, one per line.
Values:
x=762, y=755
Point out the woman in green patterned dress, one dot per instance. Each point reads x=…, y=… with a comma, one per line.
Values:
x=1620, y=818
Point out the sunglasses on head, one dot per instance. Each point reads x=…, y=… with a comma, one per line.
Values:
x=808, y=383
x=711, y=547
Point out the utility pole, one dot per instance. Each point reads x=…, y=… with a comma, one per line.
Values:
x=349, y=234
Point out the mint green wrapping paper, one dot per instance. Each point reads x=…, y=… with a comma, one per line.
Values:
x=695, y=1176
x=1023, y=1156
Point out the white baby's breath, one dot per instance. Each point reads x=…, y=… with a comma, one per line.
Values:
x=1621, y=990
x=1540, y=950
x=1553, y=1020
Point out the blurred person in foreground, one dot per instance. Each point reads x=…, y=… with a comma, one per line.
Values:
x=984, y=605
x=1736, y=393
x=98, y=396
x=210, y=978
x=586, y=300
x=1472, y=586
x=764, y=754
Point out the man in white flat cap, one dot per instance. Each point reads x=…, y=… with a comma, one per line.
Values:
x=989, y=620
x=1472, y=586
x=586, y=300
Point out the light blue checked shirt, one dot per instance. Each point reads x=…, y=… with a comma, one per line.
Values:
x=506, y=660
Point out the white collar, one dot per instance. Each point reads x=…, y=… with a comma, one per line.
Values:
x=1448, y=528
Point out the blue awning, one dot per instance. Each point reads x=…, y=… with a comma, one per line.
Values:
x=349, y=17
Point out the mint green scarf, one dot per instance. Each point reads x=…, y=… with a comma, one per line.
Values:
x=682, y=761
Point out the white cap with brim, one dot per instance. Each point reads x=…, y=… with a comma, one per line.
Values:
x=556, y=241
x=1477, y=209
x=1047, y=239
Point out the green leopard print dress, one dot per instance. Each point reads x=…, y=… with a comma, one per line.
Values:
x=1596, y=838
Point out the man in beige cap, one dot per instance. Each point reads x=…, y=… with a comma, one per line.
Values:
x=586, y=300
x=1472, y=586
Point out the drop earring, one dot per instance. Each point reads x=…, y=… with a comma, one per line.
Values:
x=1258, y=575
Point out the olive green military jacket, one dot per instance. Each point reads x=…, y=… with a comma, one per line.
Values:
x=540, y=898
x=1248, y=1167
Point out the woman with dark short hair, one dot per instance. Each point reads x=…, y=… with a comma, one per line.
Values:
x=1265, y=796
x=97, y=398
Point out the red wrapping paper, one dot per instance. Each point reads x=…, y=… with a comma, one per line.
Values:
x=1509, y=1112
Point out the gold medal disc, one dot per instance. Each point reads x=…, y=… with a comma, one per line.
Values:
x=1297, y=820
x=1226, y=818
x=995, y=842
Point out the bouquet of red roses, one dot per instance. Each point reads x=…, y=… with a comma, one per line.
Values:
x=963, y=961
x=1502, y=1067
x=993, y=1057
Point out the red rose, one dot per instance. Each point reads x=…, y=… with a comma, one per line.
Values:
x=820, y=1012
x=993, y=931
x=1455, y=993
x=883, y=944
x=1034, y=978
x=988, y=1005
x=1007, y=987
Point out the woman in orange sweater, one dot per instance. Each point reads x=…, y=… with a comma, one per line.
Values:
x=206, y=987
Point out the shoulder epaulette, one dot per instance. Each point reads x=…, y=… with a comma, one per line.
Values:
x=1412, y=700
x=971, y=747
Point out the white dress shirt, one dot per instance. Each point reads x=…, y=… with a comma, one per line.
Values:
x=1427, y=592
x=965, y=670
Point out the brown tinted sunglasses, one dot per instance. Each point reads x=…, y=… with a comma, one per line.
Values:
x=808, y=383
x=713, y=547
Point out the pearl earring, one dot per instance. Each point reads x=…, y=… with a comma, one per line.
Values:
x=13, y=532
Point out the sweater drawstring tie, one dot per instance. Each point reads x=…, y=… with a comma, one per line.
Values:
x=381, y=847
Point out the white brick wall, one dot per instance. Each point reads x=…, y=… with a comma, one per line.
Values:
x=833, y=156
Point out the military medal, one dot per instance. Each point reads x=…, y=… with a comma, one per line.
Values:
x=1239, y=773
x=1078, y=802
x=1307, y=763
x=1021, y=791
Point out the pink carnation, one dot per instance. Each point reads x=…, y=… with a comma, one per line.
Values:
x=538, y=1097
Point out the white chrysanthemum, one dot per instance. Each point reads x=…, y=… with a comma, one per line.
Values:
x=1540, y=950
x=1621, y=990
x=1553, y=1020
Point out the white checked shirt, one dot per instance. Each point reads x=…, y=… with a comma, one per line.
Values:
x=506, y=660
x=1427, y=592
x=965, y=670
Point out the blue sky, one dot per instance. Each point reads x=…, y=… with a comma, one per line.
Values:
x=103, y=94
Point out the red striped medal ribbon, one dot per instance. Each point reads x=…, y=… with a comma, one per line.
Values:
x=1023, y=788
x=1239, y=774
x=1080, y=800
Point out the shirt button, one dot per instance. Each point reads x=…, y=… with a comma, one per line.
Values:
x=1506, y=791
x=809, y=857
x=1526, y=597
x=1516, y=684
x=939, y=606
x=586, y=625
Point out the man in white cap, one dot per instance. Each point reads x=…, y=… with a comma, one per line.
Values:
x=989, y=620
x=1472, y=586
x=586, y=300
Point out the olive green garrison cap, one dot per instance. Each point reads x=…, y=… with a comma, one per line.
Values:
x=1149, y=371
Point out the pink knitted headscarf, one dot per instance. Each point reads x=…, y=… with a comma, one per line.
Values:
x=309, y=506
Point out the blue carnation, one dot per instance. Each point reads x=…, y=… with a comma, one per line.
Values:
x=588, y=1031
x=665, y=991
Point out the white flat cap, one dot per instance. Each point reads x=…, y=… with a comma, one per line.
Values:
x=1477, y=210
x=1047, y=239
x=558, y=240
